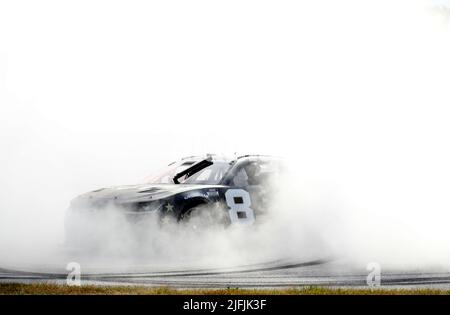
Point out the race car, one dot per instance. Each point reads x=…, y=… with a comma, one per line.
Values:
x=238, y=189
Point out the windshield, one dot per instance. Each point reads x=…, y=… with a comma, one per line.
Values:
x=210, y=175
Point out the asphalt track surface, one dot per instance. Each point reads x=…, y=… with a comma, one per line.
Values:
x=274, y=274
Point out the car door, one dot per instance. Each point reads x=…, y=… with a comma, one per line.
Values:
x=245, y=196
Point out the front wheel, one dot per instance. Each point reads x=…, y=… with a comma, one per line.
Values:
x=204, y=216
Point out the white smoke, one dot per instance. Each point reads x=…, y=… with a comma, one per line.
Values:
x=355, y=93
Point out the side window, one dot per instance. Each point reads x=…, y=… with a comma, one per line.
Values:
x=241, y=178
x=254, y=174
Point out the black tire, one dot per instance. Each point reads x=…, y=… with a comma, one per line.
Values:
x=203, y=216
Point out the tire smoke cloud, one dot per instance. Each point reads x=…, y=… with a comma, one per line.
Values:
x=353, y=93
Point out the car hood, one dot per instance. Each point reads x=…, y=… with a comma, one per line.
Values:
x=135, y=193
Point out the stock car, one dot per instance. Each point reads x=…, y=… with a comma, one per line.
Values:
x=238, y=187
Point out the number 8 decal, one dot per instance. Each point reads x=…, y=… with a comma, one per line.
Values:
x=238, y=200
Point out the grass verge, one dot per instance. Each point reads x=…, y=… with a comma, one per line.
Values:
x=55, y=289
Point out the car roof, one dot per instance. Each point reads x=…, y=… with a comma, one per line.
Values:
x=222, y=158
